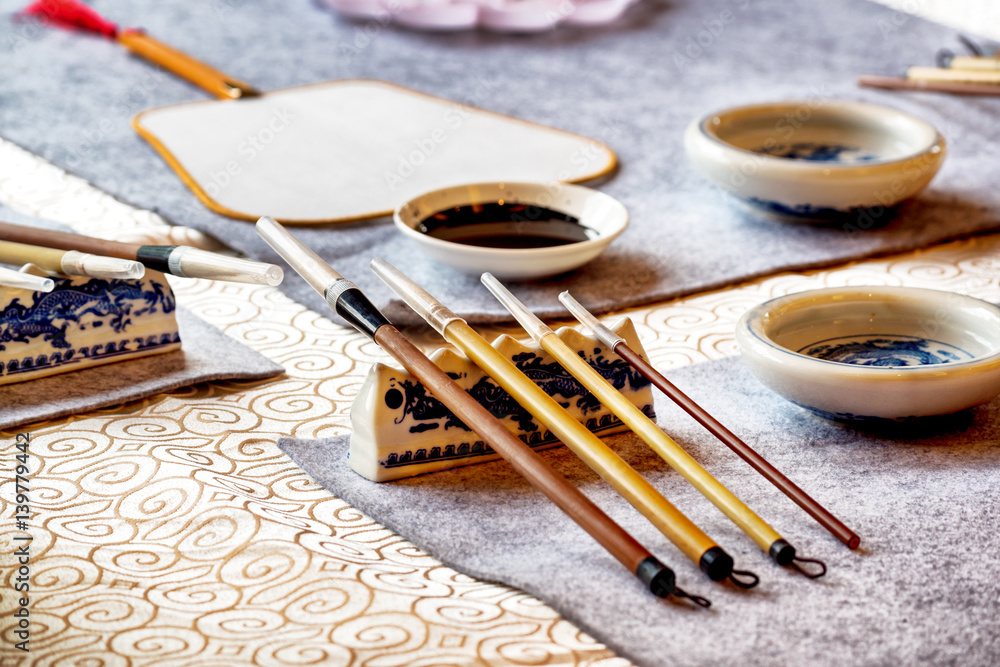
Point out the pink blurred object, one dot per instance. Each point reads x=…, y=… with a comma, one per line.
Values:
x=520, y=16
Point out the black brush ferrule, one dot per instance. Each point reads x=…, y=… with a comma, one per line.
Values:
x=355, y=307
x=782, y=552
x=657, y=576
x=717, y=564
x=155, y=257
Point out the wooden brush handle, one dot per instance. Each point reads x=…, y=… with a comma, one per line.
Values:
x=527, y=462
x=678, y=459
x=200, y=74
x=66, y=241
x=756, y=461
x=679, y=529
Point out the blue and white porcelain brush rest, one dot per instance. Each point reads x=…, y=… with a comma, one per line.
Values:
x=817, y=161
x=875, y=354
x=84, y=322
x=400, y=430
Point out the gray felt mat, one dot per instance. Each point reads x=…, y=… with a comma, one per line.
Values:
x=635, y=84
x=923, y=588
x=206, y=354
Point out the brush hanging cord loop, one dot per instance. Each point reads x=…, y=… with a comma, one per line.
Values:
x=749, y=578
x=944, y=57
x=973, y=48
x=811, y=575
x=697, y=599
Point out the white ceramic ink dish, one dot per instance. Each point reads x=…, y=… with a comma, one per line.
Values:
x=604, y=216
x=862, y=354
x=816, y=161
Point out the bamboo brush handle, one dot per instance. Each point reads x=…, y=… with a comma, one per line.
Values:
x=527, y=462
x=734, y=508
x=951, y=87
x=690, y=539
x=17, y=254
x=744, y=451
x=200, y=74
x=975, y=62
x=953, y=75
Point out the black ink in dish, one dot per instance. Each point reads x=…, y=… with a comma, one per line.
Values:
x=501, y=225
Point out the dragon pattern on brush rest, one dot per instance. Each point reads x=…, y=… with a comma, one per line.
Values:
x=423, y=408
x=50, y=315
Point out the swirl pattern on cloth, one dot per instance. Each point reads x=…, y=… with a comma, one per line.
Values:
x=172, y=530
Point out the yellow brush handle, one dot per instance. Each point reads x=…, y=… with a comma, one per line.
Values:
x=662, y=444
x=945, y=74
x=974, y=62
x=17, y=254
x=200, y=74
x=690, y=539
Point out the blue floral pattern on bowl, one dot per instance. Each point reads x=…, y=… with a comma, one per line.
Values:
x=819, y=152
x=857, y=420
x=886, y=350
x=803, y=211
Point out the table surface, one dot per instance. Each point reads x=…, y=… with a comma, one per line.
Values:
x=173, y=531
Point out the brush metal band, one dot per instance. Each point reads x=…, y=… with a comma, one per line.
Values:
x=439, y=317
x=174, y=263
x=606, y=335
x=335, y=289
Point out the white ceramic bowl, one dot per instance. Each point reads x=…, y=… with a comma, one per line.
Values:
x=817, y=160
x=606, y=216
x=875, y=353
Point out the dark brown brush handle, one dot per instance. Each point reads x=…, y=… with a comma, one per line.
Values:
x=65, y=241
x=526, y=461
x=756, y=461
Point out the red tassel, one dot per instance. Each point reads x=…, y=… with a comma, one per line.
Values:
x=72, y=14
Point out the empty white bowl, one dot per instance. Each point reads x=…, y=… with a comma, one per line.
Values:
x=816, y=160
x=605, y=216
x=875, y=353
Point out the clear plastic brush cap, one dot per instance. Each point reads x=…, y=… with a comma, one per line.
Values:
x=76, y=263
x=534, y=326
x=304, y=261
x=415, y=296
x=20, y=280
x=194, y=263
x=587, y=319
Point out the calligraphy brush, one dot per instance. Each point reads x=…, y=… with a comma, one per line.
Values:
x=351, y=304
x=689, y=538
x=18, y=280
x=766, y=537
x=76, y=15
x=178, y=260
x=618, y=345
x=70, y=262
x=903, y=83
